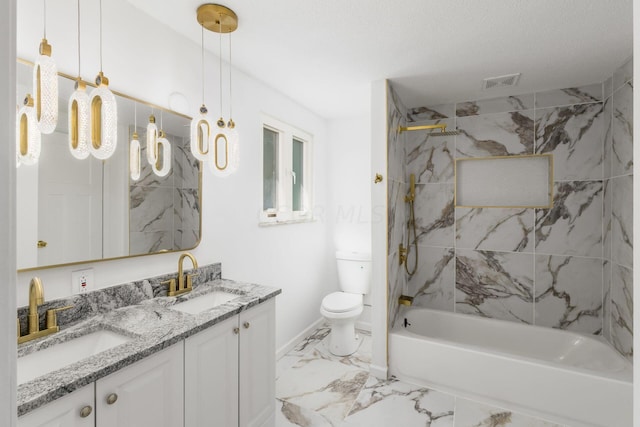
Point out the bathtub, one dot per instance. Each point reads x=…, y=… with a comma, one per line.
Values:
x=562, y=376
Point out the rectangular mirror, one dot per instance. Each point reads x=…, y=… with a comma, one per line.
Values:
x=504, y=182
x=72, y=211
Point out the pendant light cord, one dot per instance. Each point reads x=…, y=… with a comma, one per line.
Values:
x=202, y=61
x=79, y=73
x=220, y=53
x=230, y=82
x=100, y=35
x=44, y=6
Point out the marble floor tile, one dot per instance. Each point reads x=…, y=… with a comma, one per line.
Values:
x=329, y=388
x=360, y=359
x=289, y=414
x=394, y=403
x=474, y=414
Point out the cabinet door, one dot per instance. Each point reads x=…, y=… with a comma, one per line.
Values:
x=149, y=393
x=211, y=376
x=257, y=365
x=64, y=412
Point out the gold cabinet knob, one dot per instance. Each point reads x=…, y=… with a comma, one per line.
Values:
x=236, y=330
x=112, y=398
x=378, y=178
x=246, y=325
x=42, y=244
x=86, y=411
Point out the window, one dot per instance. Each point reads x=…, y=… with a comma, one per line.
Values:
x=286, y=173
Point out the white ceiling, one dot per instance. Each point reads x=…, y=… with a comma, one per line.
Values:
x=325, y=54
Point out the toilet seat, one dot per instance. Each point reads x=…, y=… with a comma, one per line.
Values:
x=341, y=302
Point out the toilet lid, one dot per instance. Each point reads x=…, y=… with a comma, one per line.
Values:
x=340, y=302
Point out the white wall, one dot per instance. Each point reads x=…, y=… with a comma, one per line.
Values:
x=349, y=178
x=148, y=61
x=7, y=216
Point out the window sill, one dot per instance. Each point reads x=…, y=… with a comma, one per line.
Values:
x=285, y=222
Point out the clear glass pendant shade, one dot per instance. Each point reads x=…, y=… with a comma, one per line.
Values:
x=162, y=166
x=79, y=122
x=225, y=156
x=45, y=87
x=152, y=139
x=201, y=134
x=104, y=120
x=28, y=136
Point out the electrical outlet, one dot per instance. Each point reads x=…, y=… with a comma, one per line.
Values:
x=82, y=280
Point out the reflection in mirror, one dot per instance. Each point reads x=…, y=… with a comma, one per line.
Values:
x=72, y=211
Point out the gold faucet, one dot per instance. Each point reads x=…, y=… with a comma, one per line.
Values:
x=182, y=287
x=36, y=298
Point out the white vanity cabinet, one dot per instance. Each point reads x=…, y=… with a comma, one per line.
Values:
x=230, y=371
x=147, y=393
x=73, y=410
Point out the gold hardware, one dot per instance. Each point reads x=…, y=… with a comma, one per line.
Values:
x=45, y=48
x=378, y=178
x=172, y=286
x=246, y=325
x=442, y=127
x=112, y=398
x=402, y=254
x=85, y=411
x=236, y=330
x=204, y=133
x=36, y=298
x=185, y=281
x=405, y=300
x=52, y=317
x=38, y=93
x=217, y=18
x=42, y=244
x=226, y=151
x=412, y=189
x=96, y=122
x=24, y=127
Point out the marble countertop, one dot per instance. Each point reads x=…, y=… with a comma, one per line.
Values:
x=152, y=326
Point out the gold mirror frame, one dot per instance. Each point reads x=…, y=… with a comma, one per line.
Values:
x=155, y=108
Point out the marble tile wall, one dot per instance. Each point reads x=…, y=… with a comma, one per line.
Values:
x=164, y=212
x=396, y=190
x=618, y=210
x=566, y=267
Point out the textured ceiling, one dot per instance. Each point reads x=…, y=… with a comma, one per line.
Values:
x=325, y=54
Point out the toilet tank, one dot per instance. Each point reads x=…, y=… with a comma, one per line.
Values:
x=354, y=272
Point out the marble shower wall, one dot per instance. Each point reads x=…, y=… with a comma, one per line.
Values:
x=618, y=210
x=396, y=190
x=547, y=267
x=164, y=212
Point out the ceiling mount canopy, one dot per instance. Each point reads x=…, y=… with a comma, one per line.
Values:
x=217, y=18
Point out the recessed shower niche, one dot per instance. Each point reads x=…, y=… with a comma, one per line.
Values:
x=504, y=182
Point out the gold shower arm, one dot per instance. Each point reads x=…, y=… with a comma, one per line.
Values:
x=442, y=127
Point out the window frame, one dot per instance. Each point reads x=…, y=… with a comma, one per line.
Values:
x=284, y=212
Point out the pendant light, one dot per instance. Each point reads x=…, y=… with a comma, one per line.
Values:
x=45, y=85
x=201, y=126
x=27, y=134
x=162, y=165
x=135, y=166
x=104, y=114
x=152, y=139
x=79, y=113
x=223, y=160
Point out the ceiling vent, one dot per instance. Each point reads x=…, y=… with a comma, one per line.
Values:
x=500, y=81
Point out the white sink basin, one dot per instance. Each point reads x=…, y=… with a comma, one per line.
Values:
x=60, y=355
x=205, y=302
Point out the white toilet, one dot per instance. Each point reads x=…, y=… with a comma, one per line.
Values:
x=341, y=309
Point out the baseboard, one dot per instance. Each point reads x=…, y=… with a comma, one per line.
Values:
x=295, y=340
x=380, y=372
x=363, y=326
